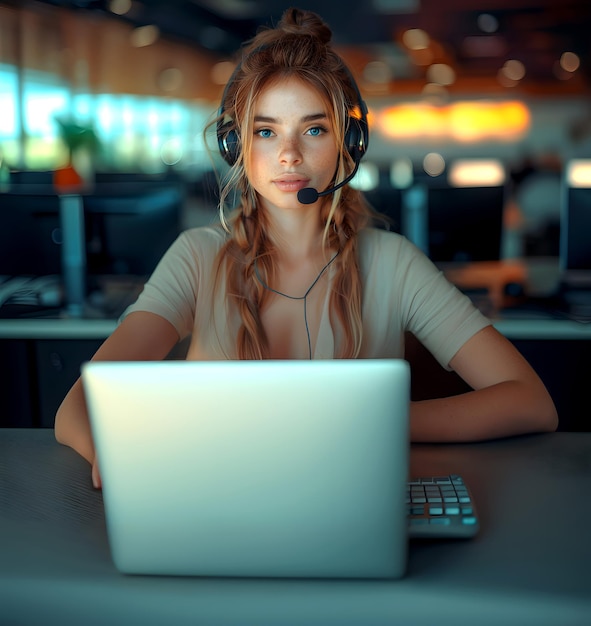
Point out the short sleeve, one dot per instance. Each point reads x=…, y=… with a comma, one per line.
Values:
x=173, y=289
x=406, y=292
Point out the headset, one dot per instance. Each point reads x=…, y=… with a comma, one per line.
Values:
x=356, y=136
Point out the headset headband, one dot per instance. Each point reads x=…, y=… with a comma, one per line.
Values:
x=356, y=134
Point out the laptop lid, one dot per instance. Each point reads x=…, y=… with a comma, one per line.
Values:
x=253, y=468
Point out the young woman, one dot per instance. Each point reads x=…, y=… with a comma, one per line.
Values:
x=301, y=274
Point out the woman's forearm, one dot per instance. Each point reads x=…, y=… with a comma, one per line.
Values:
x=502, y=410
x=72, y=427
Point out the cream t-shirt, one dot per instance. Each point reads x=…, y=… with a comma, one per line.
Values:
x=402, y=291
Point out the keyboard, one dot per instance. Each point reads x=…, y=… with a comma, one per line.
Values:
x=440, y=507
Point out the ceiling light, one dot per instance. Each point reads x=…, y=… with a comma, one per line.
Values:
x=434, y=164
x=487, y=23
x=513, y=69
x=570, y=62
x=144, y=36
x=441, y=73
x=416, y=39
x=119, y=7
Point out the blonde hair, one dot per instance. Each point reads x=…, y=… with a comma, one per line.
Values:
x=298, y=47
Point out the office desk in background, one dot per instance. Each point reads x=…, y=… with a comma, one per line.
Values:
x=41, y=358
x=528, y=565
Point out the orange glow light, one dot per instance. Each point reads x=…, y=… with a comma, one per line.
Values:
x=465, y=122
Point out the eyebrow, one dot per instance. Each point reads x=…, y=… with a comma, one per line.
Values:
x=307, y=118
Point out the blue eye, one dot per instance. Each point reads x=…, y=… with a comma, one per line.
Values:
x=264, y=132
x=316, y=130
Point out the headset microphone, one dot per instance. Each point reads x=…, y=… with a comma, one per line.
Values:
x=309, y=195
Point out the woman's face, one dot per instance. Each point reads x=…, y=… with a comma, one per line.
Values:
x=293, y=144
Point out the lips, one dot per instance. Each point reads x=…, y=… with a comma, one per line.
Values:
x=291, y=182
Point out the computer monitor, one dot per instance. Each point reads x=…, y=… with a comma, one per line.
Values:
x=32, y=177
x=464, y=224
x=129, y=227
x=30, y=233
x=386, y=199
x=575, y=230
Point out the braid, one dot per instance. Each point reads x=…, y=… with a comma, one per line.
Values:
x=298, y=47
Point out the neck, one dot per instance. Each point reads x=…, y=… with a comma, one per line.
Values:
x=297, y=235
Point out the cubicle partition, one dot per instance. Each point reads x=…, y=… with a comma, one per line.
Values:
x=115, y=229
x=71, y=263
x=126, y=228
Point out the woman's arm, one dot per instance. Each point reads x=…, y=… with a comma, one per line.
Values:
x=508, y=398
x=141, y=336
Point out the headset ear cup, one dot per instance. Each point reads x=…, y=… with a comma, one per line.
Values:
x=356, y=138
x=228, y=143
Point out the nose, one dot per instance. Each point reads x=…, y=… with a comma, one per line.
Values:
x=290, y=151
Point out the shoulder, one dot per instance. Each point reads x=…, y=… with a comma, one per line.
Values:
x=202, y=242
x=374, y=243
x=211, y=236
x=383, y=254
x=193, y=253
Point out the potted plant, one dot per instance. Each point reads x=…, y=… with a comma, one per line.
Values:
x=81, y=142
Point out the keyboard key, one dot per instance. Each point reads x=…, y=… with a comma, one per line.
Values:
x=440, y=521
x=440, y=507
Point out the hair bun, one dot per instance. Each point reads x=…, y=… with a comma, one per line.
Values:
x=300, y=22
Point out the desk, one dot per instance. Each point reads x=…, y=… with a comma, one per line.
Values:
x=41, y=359
x=522, y=327
x=528, y=565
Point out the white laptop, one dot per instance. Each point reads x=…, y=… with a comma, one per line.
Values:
x=253, y=468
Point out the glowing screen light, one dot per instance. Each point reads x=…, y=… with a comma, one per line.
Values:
x=476, y=173
x=578, y=173
x=367, y=177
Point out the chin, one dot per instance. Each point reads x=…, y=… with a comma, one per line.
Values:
x=284, y=204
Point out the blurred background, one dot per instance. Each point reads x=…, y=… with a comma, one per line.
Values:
x=480, y=153
x=498, y=87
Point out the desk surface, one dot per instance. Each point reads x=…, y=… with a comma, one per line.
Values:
x=528, y=565
x=526, y=326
